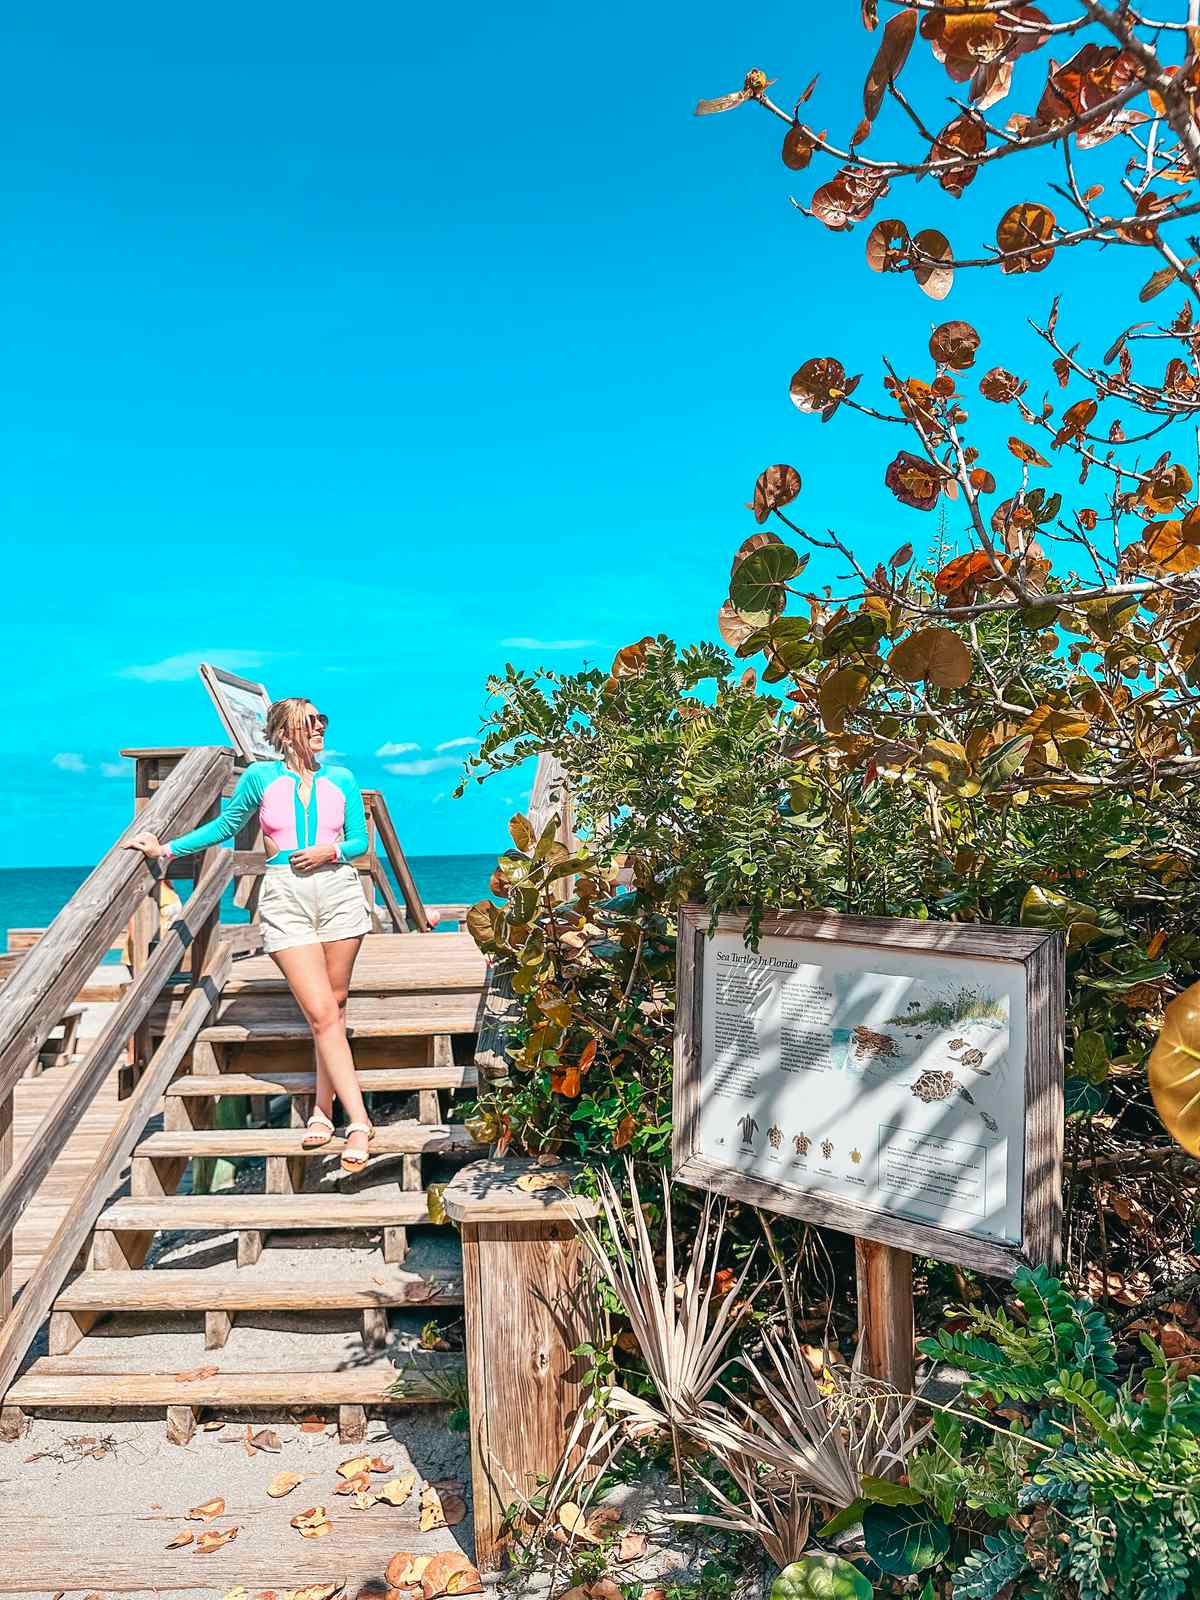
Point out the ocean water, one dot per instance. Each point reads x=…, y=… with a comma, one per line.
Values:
x=31, y=897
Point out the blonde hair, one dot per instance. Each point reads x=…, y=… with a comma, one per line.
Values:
x=287, y=730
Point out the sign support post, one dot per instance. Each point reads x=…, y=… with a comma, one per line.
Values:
x=885, y=1313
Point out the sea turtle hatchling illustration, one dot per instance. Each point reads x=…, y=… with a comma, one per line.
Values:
x=801, y=1143
x=957, y=1044
x=774, y=1137
x=867, y=1043
x=974, y=1060
x=827, y=1148
x=856, y=1156
x=933, y=1085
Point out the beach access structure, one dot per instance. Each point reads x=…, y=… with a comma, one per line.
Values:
x=207, y=1023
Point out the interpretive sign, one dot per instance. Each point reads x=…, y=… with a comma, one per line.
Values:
x=895, y=1079
x=242, y=706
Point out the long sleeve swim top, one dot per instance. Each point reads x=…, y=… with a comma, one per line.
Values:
x=334, y=814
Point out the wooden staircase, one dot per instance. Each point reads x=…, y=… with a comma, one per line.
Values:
x=243, y=1097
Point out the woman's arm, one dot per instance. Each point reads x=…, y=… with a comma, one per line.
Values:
x=235, y=813
x=354, y=829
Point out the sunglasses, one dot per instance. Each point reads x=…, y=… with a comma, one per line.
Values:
x=317, y=722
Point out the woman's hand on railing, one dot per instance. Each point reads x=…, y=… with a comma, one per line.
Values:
x=150, y=847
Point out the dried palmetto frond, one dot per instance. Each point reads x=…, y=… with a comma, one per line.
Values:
x=681, y=1334
x=776, y=1511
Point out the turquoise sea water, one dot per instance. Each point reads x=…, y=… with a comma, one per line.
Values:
x=31, y=897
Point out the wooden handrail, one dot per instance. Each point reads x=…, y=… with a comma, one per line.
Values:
x=38, y=1155
x=73, y=1231
x=34, y=998
x=418, y=917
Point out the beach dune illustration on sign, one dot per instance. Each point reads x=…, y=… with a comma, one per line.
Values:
x=955, y=1034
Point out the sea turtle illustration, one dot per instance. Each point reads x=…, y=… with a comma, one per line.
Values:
x=957, y=1044
x=867, y=1043
x=801, y=1143
x=934, y=1086
x=856, y=1156
x=973, y=1058
x=747, y=1127
x=827, y=1148
x=989, y=1122
x=774, y=1137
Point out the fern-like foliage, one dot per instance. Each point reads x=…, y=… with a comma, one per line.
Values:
x=1000, y=1559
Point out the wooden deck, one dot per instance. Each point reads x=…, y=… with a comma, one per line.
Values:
x=32, y=1098
x=440, y=976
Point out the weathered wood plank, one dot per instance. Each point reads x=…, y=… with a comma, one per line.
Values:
x=379, y=1079
x=73, y=1231
x=391, y=1138
x=36, y=1159
x=75, y=1381
x=418, y=917
x=54, y=970
x=202, y=1213
x=212, y=1289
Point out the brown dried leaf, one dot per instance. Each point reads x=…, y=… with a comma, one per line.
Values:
x=573, y=1520
x=632, y=1547
x=1001, y=385
x=932, y=655
x=914, y=481
x=313, y=1523
x=352, y=1466
x=932, y=254
x=894, y=46
x=283, y=1483
x=1029, y=223
x=887, y=245
x=359, y=1483
x=1026, y=452
x=775, y=486
x=1076, y=420
x=449, y=1572
x=799, y=143
x=180, y=1539
x=206, y=1511
x=536, y=1182
x=953, y=344
x=213, y=1539
x=965, y=137
x=398, y=1490
x=405, y=1568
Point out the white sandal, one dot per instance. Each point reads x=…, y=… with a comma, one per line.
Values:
x=356, y=1160
x=314, y=1140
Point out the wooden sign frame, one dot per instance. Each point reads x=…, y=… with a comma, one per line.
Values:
x=1040, y=954
x=215, y=680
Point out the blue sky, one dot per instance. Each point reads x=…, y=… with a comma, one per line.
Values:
x=363, y=350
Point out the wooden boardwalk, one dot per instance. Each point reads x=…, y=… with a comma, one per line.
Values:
x=32, y=1099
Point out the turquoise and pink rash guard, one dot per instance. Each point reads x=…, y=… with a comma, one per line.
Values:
x=334, y=814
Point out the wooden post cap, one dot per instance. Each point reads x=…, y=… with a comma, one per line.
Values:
x=490, y=1191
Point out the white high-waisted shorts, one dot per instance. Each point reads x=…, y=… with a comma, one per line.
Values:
x=312, y=907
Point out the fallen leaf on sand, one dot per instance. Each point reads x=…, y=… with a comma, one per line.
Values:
x=196, y=1374
x=398, y=1490
x=406, y=1568
x=441, y=1506
x=180, y=1539
x=449, y=1572
x=212, y=1426
x=313, y=1523
x=602, y=1518
x=283, y=1483
x=206, y=1511
x=632, y=1548
x=363, y=1501
x=604, y=1589
x=378, y=1464
x=352, y=1467
x=264, y=1439
x=358, y=1484
x=212, y=1539
x=313, y=1424
x=572, y=1519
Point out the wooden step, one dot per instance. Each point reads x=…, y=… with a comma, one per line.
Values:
x=387, y=964
x=207, y=1213
x=379, y=1079
x=85, y=1382
x=249, y=1290
x=391, y=1138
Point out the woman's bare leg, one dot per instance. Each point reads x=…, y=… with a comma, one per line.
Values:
x=340, y=956
x=307, y=976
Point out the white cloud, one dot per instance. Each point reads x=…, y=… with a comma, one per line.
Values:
x=421, y=768
x=177, y=669
x=114, y=769
x=522, y=642
x=69, y=761
x=390, y=749
x=456, y=744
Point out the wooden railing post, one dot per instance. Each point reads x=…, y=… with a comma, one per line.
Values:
x=528, y=1307
x=6, y=1239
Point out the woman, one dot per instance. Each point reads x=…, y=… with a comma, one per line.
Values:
x=312, y=909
